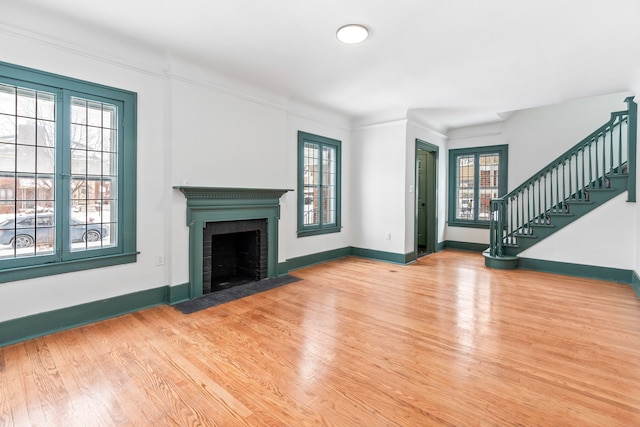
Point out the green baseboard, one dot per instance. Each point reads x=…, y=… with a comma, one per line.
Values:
x=410, y=257
x=579, y=270
x=380, y=255
x=307, y=260
x=465, y=246
x=24, y=328
x=317, y=258
x=178, y=293
x=636, y=283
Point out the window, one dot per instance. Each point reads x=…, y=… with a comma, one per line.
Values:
x=67, y=174
x=476, y=175
x=318, y=185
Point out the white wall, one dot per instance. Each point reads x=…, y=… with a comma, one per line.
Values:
x=379, y=187
x=604, y=237
x=538, y=135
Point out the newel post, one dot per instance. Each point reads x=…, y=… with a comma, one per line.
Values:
x=631, y=140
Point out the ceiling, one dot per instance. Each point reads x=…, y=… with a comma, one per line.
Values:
x=448, y=63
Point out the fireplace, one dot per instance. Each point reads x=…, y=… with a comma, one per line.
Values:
x=237, y=222
x=233, y=253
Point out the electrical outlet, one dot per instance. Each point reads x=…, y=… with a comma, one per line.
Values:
x=387, y=235
x=160, y=259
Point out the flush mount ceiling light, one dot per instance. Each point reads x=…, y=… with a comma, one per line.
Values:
x=352, y=33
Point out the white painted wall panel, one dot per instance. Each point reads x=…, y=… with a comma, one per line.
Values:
x=604, y=237
x=379, y=187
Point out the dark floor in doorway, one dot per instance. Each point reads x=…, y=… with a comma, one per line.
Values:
x=220, y=297
x=423, y=252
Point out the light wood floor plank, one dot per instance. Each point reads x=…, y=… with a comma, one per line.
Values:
x=443, y=341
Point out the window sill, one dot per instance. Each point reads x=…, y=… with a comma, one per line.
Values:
x=304, y=233
x=468, y=224
x=50, y=269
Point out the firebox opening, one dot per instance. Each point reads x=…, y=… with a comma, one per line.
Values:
x=233, y=253
x=235, y=259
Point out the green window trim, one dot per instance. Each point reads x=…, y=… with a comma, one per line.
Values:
x=469, y=210
x=117, y=167
x=319, y=184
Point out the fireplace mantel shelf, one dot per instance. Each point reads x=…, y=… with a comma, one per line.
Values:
x=227, y=193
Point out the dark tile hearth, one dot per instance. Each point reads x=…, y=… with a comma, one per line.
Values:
x=237, y=291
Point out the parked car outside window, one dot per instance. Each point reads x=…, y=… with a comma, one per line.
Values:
x=23, y=231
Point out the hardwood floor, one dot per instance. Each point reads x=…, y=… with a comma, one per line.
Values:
x=444, y=341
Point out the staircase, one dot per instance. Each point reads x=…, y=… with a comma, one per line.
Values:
x=589, y=174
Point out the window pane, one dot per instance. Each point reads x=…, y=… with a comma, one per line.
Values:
x=311, y=184
x=78, y=162
x=465, y=187
x=26, y=158
x=46, y=159
x=94, y=114
x=328, y=185
x=27, y=164
x=109, y=140
x=109, y=117
x=93, y=198
x=109, y=164
x=46, y=133
x=27, y=217
x=7, y=157
x=94, y=138
x=78, y=111
x=26, y=103
x=7, y=128
x=26, y=131
x=46, y=106
x=7, y=100
x=94, y=162
x=79, y=137
x=489, y=170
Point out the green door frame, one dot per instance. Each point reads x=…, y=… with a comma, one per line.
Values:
x=432, y=200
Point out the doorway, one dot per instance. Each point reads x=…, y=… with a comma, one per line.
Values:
x=426, y=239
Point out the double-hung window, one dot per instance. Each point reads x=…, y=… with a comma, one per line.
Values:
x=318, y=184
x=67, y=174
x=476, y=175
